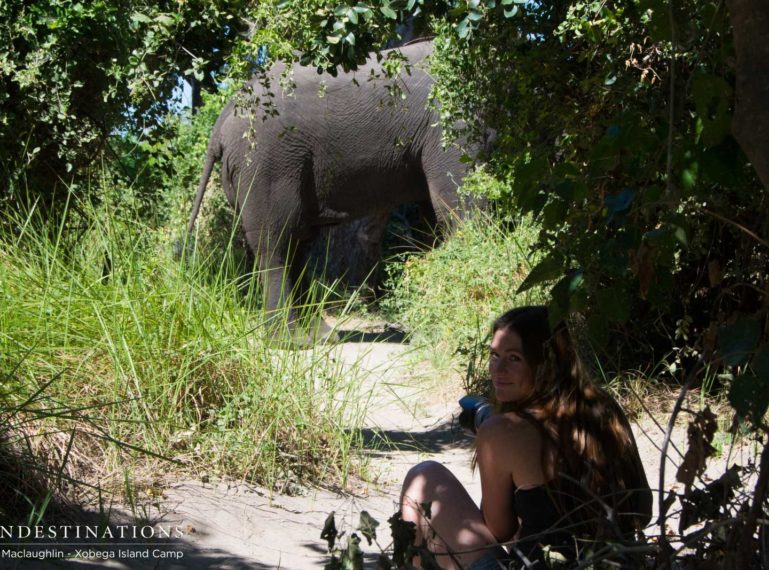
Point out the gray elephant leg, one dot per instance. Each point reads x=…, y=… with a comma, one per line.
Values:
x=279, y=279
x=276, y=281
x=315, y=328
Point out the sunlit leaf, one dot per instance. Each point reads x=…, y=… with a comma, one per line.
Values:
x=463, y=28
x=749, y=393
x=388, y=12
x=368, y=526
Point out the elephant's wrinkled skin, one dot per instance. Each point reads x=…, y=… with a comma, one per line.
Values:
x=329, y=159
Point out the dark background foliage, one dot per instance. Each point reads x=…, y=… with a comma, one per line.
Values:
x=75, y=76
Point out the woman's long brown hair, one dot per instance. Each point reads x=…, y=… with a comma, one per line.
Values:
x=599, y=478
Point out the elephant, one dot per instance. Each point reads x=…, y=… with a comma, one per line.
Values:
x=326, y=150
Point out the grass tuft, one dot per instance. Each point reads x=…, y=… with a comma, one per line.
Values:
x=175, y=360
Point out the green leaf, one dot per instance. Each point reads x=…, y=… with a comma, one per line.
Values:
x=546, y=270
x=352, y=15
x=689, y=176
x=555, y=212
x=659, y=24
x=474, y=15
x=507, y=2
x=388, y=12
x=712, y=96
x=329, y=532
x=598, y=330
x=463, y=28
x=165, y=20
x=333, y=40
x=510, y=12
x=749, y=393
x=139, y=17
x=404, y=536
x=614, y=303
x=737, y=341
x=352, y=557
x=679, y=232
x=561, y=295
x=616, y=204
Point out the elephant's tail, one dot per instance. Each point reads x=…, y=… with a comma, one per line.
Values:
x=213, y=153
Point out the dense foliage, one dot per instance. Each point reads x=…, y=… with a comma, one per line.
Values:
x=72, y=74
x=137, y=355
x=613, y=125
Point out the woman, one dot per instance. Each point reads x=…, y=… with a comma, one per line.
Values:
x=557, y=461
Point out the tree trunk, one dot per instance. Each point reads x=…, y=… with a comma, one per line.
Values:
x=750, y=126
x=196, y=99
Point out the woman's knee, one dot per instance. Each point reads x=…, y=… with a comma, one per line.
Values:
x=427, y=469
x=425, y=473
x=426, y=481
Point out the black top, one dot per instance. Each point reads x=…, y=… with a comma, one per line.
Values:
x=541, y=525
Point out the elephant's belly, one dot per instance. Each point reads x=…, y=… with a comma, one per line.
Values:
x=359, y=193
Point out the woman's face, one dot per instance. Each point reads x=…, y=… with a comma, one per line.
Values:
x=511, y=375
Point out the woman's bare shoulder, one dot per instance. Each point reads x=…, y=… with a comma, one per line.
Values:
x=509, y=428
x=512, y=444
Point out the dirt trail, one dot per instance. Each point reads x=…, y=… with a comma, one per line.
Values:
x=409, y=419
x=239, y=526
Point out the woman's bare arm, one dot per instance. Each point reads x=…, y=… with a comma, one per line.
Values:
x=509, y=452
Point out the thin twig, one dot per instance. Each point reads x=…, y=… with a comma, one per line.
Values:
x=693, y=538
x=671, y=99
x=663, y=541
x=646, y=409
x=740, y=227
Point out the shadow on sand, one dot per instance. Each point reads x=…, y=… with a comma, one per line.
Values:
x=389, y=334
x=445, y=435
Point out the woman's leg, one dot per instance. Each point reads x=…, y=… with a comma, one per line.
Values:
x=455, y=531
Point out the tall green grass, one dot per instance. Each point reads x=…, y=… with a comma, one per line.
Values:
x=448, y=296
x=175, y=359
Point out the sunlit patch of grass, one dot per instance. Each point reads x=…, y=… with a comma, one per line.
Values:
x=448, y=296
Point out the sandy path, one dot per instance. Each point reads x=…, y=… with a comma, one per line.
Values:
x=235, y=525
x=241, y=526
